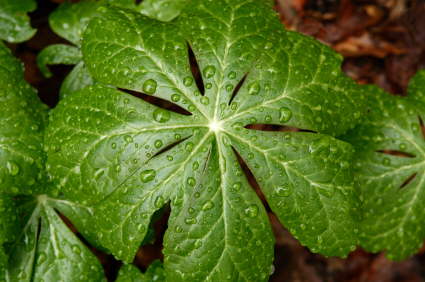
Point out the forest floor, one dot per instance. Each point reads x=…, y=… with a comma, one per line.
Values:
x=382, y=41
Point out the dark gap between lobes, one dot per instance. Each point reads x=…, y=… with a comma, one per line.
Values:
x=196, y=72
x=137, y=2
x=408, y=180
x=251, y=180
x=152, y=251
x=110, y=265
x=171, y=146
x=157, y=102
x=276, y=127
x=396, y=153
x=237, y=88
x=421, y=122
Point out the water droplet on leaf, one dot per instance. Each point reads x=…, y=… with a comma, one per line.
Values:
x=147, y=175
x=161, y=115
x=149, y=86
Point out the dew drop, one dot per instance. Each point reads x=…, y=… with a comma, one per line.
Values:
x=159, y=202
x=284, y=190
x=175, y=97
x=76, y=249
x=190, y=220
x=41, y=258
x=251, y=211
x=191, y=181
x=254, y=88
x=205, y=100
x=237, y=186
x=198, y=244
x=386, y=161
x=209, y=71
x=207, y=205
x=128, y=139
x=268, y=45
x=12, y=168
x=195, y=165
x=161, y=115
x=285, y=114
x=229, y=87
x=189, y=147
x=232, y=75
x=415, y=127
x=188, y=81
x=98, y=174
x=158, y=144
x=147, y=175
x=208, y=85
x=149, y=86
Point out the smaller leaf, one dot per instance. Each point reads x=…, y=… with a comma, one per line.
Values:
x=57, y=54
x=69, y=20
x=77, y=79
x=390, y=171
x=45, y=248
x=14, y=22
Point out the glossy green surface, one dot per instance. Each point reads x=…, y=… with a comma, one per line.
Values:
x=127, y=158
x=46, y=250
x=14, y=21
x=130, y=273
x=390, y=150
x=22, y=121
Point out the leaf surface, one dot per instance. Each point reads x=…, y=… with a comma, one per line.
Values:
x=14, y=21
x=22, y=120
x=127, y=157
x=69, y=21
x=130, y=273
x=389, y=168
x=46, y=250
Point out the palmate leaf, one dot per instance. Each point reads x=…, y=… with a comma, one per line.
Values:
x=35, y=245
x=45, y=249
x=14, y=21
x=69, y=21
x=126, y=158
x=389, y=167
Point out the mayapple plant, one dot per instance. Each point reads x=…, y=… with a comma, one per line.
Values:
x=167, y=103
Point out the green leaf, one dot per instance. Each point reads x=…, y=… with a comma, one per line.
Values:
x=57, y=54
x=45, y=248
x=390, y=150
x=163, y=10
x=127, y=158
x=14, y=22
x=22, y=120
x=77, y=79
x=130, y=273
x=69, y=21
x=8, y=229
